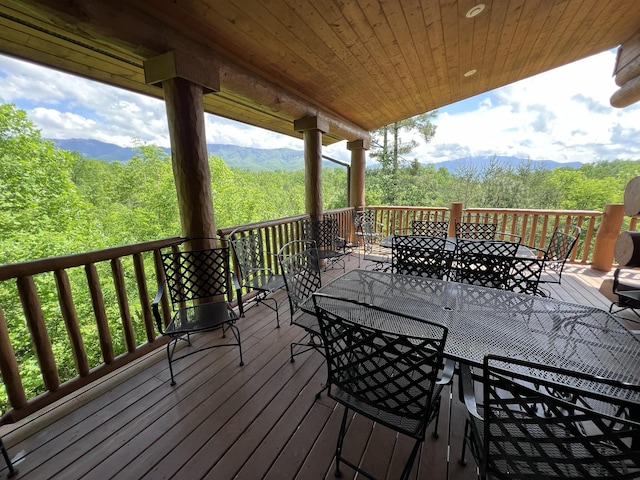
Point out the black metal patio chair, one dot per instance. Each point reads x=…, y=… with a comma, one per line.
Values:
x=486, y=263
x=558, y=250
x=626, y=295
x=430, y=228
x=533, y=422
x=383, y=366
x=198, y=285
x=482, y=229
x=421, y=256
x=330, y=245
x=254, y=272
x=372, y=251
x=301, y=269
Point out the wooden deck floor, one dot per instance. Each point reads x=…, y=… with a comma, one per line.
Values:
x=222, y=421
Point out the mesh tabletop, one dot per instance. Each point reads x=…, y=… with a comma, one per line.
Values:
x=483, y=321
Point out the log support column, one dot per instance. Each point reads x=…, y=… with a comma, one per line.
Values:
x=606, y=237
x=358, y=150
x=184, y=81
x=312, y=129
x=455, y=215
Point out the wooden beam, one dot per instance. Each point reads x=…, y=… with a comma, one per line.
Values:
x=128, y=23
x=177, y=64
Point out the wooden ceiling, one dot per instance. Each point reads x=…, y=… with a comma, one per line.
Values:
x=361, y=64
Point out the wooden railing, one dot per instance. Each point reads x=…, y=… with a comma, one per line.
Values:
x=534, y=226
x=117, y=283
x=119, y=274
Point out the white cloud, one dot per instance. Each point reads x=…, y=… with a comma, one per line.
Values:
x=561, y=115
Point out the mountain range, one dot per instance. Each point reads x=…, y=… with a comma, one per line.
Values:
x=255, y=159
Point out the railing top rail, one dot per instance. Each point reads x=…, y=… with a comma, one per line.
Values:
x=34, y=267
x=535, y=210
x=407, y=208
x=265, y=224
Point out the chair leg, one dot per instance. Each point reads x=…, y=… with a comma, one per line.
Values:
x=411, y=460
x=171, y=346
x=341, y=435
x=12, y=471
x=463, y=460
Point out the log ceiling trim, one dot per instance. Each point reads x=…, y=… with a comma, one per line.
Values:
x=358, y=64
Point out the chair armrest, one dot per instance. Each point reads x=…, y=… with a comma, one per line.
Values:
x=155, y=307
x=467, y=390
x=616, y=280
x=517, y=238
x=447, y=372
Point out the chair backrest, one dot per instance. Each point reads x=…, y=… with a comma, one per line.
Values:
x=383, y=364
x=541, y=422
x=524, y=275
x=301, y=269
x=560, y=246
x=325, y=233
x=420, y=255
x=196, y=275
x=478, y=230
x=430, y=228
x=362, y=216
x=484, y=262
x=369, y=236
x=248, y=253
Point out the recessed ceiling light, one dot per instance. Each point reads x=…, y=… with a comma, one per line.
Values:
x=473, y=11
x=470, y=72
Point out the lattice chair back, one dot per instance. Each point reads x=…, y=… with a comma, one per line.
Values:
x=197, y=275
x=483, y=262
x=324, y=232
x=300, y=267
x=560, y=246
x=478, y=230
x=254, y=272
x=249, y=254
x=361, y=217
x=524, y=275
x=421, y=256
x=542, y=422
x=382, y=365
x=430, y=228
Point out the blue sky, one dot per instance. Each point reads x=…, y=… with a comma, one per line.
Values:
x=562, y=115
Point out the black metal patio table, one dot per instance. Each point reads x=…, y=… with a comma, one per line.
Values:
x=483, y=321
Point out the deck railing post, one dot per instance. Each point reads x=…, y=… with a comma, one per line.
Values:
x=455, y=212
x=606, y=237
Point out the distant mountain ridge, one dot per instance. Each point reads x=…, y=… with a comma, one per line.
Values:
x=256, y=159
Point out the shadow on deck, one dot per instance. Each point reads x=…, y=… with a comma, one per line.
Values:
x=223, y=421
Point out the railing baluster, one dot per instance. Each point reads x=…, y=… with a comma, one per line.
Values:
x=9, y=368
x=104, y=335
x=38, y=329
x=123, y=304
x=143, y=295
x=68, y=310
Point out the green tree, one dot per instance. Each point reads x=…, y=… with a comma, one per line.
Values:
x=389, y=148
